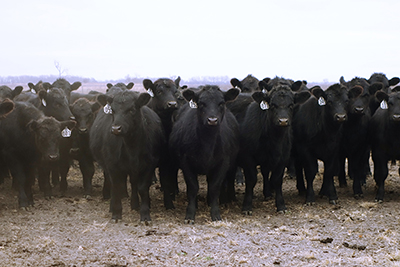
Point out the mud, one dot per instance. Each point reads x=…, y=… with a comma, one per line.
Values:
x=72, y=231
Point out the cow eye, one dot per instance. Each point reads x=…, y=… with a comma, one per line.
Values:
x=159, y=92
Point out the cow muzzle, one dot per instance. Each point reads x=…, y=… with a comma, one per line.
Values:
x=116, y=129
x=213, y=121
x=396, y=117
x=340, y=117
x=283, y=122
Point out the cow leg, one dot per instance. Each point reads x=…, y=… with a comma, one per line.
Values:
x=298, y=165
x=135, y=205
x=63, y=169
x=239, y=176
x=214, y=182
x=168, y=176
x=143, y=188
x=342, y=171
x=266, y=183
x=380, y=174
x=87, y=169
x=192, y=189
x=250, y=173
x=276, y=183
x=44, y=180
x=228, y=194
x=328, y=187
x=310, y=170
x=118, y=180
x=18, y=173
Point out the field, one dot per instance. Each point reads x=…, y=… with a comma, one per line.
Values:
x=72, y=231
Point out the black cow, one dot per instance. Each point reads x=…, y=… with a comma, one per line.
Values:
x=381, y=78
x=66, y=86
x=318, y=129
x=30, y=141
x=384, y=132
x=7, y=92
x=354, y=145
x=127, y=142
x=166, y=100
x=84, y=113
x=204, y=139
x=266, y=140
x=248, y=85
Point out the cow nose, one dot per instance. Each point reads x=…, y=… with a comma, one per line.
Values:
x=72, y=118
x=53, y=157
x=212, y=121
x=396, y=117
x=358, y=110
x=83, y=130
x=283, y=122
x=116, y=129
x=172, y=104
x=340, y=117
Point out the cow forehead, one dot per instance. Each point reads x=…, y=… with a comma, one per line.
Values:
x=211, y=94
x=164, y=84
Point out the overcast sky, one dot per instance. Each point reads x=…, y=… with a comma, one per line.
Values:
x=311, y=40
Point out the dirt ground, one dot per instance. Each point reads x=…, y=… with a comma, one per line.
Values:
x=72, y=231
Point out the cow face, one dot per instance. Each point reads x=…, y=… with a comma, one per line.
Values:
x=392, y=104
x=48, y=134
x=54, y=103
x=334, y=100
x=359, y=99
x=7, y=92
x=125, y=108
x=84, y=113
x=210, y=103
x=248, y=84
x=279, y=103
x=381, y=78
x=165, y=94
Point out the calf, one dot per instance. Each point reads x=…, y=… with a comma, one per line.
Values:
x=204, y=140
x=126, y=139
x=84, y=113
x=30, y=140
x=166, y=100
x=318, y=129
x=266, y=140
x=384, y=131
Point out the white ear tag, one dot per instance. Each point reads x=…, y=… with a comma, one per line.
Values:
x=150, y=92
x=264, y=91
x=384, y=104
x=66, y=132
x=44, y=102
x=192, y=104
x=264, y=105
x=107, y=109
x=321, y=101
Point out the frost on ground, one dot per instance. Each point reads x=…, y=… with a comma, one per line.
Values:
x=73, y=231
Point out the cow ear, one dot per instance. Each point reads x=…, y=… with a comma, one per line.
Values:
x=375, y=87
x=231, y=94
x=130, y=85
x=189, y=95
x=69, y=124
x=394, y=81
x=148, y=84
x=31, y=86
x=318, y=92
x=142, y=100
x=263, y=85
x=95, y=106
x=301, y=97
x=75, y=86
x=47, y=85
x=109, y=85
x=236, y=83
x=297, y=85
x=32, y=125
x=104, y=99
x=381, y=95
x=342, y=81
x=177, y=81
x=355, y=91
x=6, y=107
x=17, y=90
x=396, y=89
x=258, y=97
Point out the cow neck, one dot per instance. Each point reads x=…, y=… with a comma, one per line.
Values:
x=330, y=126
x=135, y=137
x=208, y=137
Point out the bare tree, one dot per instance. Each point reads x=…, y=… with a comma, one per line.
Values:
x=60, y=70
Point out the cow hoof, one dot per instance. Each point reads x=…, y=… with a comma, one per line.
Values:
x=283, y=211
x=333, y=201
x=187, y=221
x=358, y=196
x=146, y=223
x=25, y=208
x=114, y=221
x=247, y=212
x=88, y=197
x=379, y=201
x=48, y=197
x=310, y=203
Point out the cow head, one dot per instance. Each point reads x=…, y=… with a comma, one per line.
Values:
x=334, y=100
x=392, y=103
x=48, y=134
x=54, y=103
x=125, y=107
x=7, y=92
x=381, y=78
x=279, y=103
x=84, y=113
x=66, y=86
x=210, y=103
x=165, y=95
x=248, y=84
